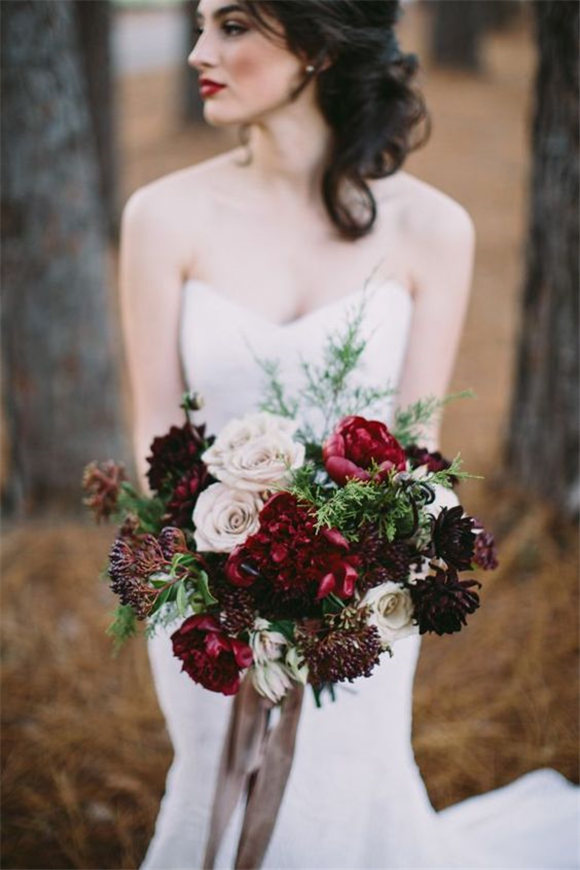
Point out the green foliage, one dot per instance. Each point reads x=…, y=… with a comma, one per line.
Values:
x=285, y=627
x=148, y=509
x=360, y=502
x=332, y=604
x=123, y=626
x=326, y=387
x=186, y=590
x=446, y=475
x=409, y=422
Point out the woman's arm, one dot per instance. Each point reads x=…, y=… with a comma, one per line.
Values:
x=150, y=281
x=443, y=248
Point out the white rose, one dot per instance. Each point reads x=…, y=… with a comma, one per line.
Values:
x=224, y=517
x=391, y=611
x=255, y=452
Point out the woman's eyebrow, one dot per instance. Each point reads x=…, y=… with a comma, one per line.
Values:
x=223, y=10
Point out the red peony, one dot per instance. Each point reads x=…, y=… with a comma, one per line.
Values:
x=356, y=444
x=289, y=564
x=210, y=656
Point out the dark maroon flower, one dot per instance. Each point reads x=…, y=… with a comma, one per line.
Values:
x=181, y=502
x=173, y=455
x=441, y=601
x=381, y=560
x=355, y=445
x=210, y=656
x=292, y=565
x=485, y=551
x=102, y=483
x=340, y=647
x=454, y=538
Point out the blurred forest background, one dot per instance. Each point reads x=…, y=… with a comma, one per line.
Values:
x=97, y=100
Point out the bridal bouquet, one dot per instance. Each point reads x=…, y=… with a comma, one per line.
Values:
x=295, y=557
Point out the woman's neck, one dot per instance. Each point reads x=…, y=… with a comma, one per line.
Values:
x=290, y=153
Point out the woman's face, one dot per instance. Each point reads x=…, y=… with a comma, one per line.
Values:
x=258, y=73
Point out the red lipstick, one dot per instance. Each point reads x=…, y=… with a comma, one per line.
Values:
x=207, y=87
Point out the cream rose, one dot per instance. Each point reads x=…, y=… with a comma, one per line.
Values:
x=391, y=611
x=224, y=517
x=255, y=452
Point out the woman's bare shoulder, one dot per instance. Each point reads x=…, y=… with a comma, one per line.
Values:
x=427, y=210
x=438, y=234
x=183, y=195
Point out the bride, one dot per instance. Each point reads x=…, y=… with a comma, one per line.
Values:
x=263, y=249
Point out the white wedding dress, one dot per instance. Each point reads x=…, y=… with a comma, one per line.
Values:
x=355, y=797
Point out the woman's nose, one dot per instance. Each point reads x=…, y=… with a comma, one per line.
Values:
x=203, y=53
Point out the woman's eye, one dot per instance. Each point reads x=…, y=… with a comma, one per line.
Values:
x=230, y=28
x=233, y=29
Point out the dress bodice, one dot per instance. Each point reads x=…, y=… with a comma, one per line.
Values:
x=220, y=340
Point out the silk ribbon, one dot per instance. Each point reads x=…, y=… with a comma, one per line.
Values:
x=256, y=761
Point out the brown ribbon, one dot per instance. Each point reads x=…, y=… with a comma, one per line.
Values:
x=256, y=760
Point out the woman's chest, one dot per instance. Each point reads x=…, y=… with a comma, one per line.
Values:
x=284, y=266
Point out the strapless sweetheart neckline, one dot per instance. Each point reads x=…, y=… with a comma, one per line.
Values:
x=308, y=315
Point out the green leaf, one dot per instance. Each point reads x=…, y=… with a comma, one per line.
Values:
x=123, y=626
x=285, y=627
x=181, y=599
x=203, y=586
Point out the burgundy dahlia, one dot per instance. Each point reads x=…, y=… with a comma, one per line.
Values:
x=173, y=455
x=290, y=565
x=209, y=656
x=454, y=538
x=342, y=648
x=441, y=601
x=356, y=445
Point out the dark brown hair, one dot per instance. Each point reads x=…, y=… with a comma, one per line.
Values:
x=366, y=94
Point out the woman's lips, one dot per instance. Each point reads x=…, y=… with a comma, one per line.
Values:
x=207, y=89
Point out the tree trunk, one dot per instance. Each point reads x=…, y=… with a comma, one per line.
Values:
x=60, y=387
x=94, y=23
x=456, y=31
x=501, y=13
x=191, y=103
x=542, y=450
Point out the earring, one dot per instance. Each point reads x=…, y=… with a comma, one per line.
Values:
x=310, y=68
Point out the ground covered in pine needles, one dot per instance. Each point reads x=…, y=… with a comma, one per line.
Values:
x=85, y=750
